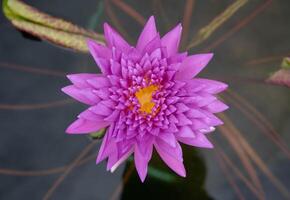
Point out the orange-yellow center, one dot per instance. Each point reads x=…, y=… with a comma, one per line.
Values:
x=144, y=97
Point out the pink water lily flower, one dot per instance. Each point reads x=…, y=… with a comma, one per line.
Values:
x=147, y=97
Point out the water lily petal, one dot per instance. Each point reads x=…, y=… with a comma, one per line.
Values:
x=171, y=159
x=185, y=132
x=199, y=141
x=108, y=145
x=84, y=96
x=205, y=85
x=192, y=65
x=148, y=34
x=171, y=40
x=80, y=80
x=216, y=106
x=101, y=55
x=141, y=160
x=85, y=126
x=169, y=138
x=114, y=39
x=120, y=160
x=99, y=82
x=101, y=109
x=152, y=45
x=90, y=115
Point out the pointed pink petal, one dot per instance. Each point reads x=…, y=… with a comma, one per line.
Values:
x=134, y=55
x=216, y=106
x=195, y=113
x=192, y=65
x=101, y=109
x=120, y=154
x=157, y=53
x=103, y=93
x=199, y=100
x=183, y=120
x=121, y=160
x=99, y=82
x=141, y=160
x=177, y=58
x=171, y=40
x=83, y=95
x=144, y=142
x=108, y=146
x=169, y=138
x=212, y=120
x=85, y=126
x=101, y=54
x=109, y=103
x=205, y=85
x=89, y=115
x=99, y=50
x=115, y=114
x=185, y=132
x=171, y=159
x=199, y=141
x=149, y=32
x=114, y=39
x=112, y=159
x=198, y=124
x=181, y=107
x=115, y=67
x=154, y=44
x=176, y=151
x=80, y=80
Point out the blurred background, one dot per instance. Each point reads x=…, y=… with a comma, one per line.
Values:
x=251, y=159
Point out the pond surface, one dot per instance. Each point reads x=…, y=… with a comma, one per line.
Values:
x=34, y=112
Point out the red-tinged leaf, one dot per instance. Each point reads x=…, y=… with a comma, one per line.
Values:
x=282, y=76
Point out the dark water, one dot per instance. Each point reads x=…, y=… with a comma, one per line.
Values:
x=34, y=139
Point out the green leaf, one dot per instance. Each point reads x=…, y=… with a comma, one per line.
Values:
x=98, y=135
x=160, y=174
x=204, y=33
x=286, y=63
x=47, y=27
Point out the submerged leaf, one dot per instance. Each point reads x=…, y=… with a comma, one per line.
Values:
x=160, y=174
x=47, y=27
x=95, y=18
x=282, y=76
x=209, y=29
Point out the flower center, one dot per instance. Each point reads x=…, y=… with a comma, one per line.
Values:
x=144, y=97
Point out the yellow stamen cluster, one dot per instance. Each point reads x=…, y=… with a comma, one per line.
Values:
x=144, y=97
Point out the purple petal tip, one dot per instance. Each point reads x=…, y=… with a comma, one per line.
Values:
x=65, y=89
